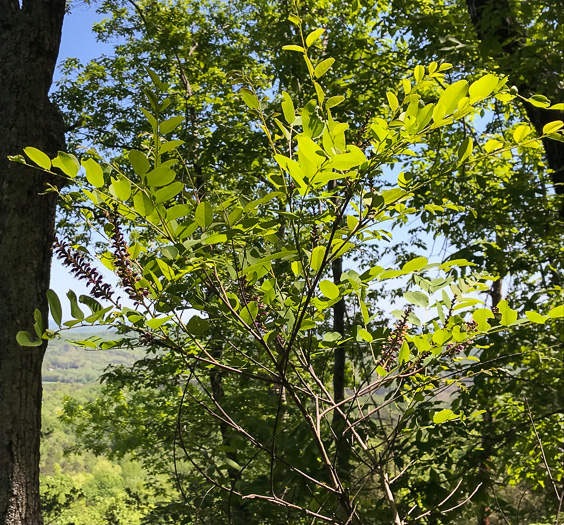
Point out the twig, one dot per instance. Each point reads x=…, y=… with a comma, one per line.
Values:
x=558, y=496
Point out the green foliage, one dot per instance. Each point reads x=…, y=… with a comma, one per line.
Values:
x=256, y=268
x=236, y=219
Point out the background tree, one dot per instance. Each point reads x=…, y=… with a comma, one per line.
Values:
x=30, y=32
x=503, y=239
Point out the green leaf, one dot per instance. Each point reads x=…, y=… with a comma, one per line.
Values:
x=465, y=149
x=439, y=113
x=296, y=20
x=37, y=156
x=94, y=173
x=94, y=305
x=392, y=100
x=216, y=238
x=232, y=464
x=481, y=316
x=168, y=192
x=204, y=215
x=441, y=336
x=556, y=136
x=157, y=323
x=166, y=270
x=160, y=176
x=352, y=222
x=313, y=36
x=296, y=268
x=556, y=312
x=417, y=298
x=415, y=264
x=508, y=315
x=76, y=312
x=456, y=262
x=300, y=49
x=403, y=355
x=418, y=73
x=249, y=98
x=492, y=145
x=422, y=343
x=331, y=337
x=329, y=289
x=170, y=124
x=121, y=188
x=312, y=124
x=323, y=67
x=170, y=146
x=197, y=326
x=139, y=162
x=293, y=168
x=483, y=87
x=535, y=317
x=539, y=101
x=334, y=101
x=316, y=259
x=67, y=163
x=288, y=108
x=521, y=131
x=444, y=415
x=346, y=161
x=552, y=127
x=364, y=311
x=393, y=195
x=24, y=339
x=452, y=94
x=152, y=120
x=365, y=335
x=55, y=307
x=156, y=80
x=38, y=326
x=143, y=204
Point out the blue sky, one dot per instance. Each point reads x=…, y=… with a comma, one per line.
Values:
x=78, y=41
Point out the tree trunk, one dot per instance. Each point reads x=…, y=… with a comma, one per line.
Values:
x=502, y=39
x=29, y=43
x=339, y=365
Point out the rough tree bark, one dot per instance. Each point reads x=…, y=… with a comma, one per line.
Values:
x=504, y=40
x=29, y=43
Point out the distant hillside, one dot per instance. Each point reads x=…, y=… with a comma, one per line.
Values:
x=66, y=363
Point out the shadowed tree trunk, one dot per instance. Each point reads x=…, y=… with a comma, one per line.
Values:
x=339, y=367
x=29, y=43
x=504, y=40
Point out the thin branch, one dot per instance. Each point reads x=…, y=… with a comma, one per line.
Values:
x=558, y=495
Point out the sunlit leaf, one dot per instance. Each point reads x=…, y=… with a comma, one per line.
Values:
x=37, y=156
x=313, y=36
x=316, y=259
x=249, y=98
x=67, y=163
x=288, y=108
x=329, y=289
x=444, y=415
x=415, y=264
x=94, y=173
x=55, y=307
x=556, y=312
